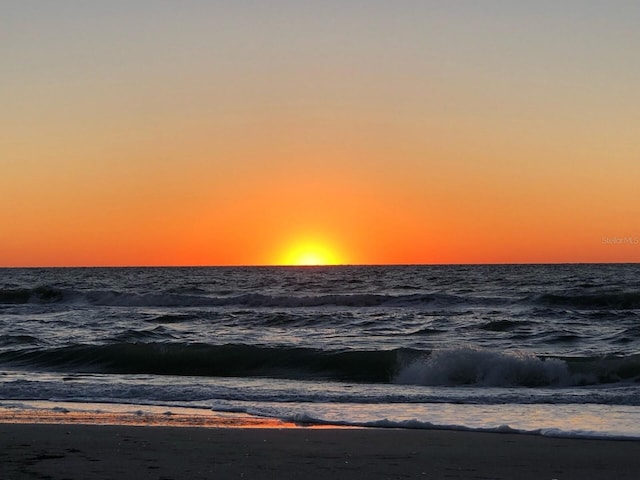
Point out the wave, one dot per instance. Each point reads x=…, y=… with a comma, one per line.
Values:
x=611, y=300
x=426, y=331
x=415, y=424
x=19, y=339
x=470, y=366
x=231, y=360
x=158, y=334
x=502, y=325
x=473, y=366
x=191, y=297
x=173, y=318
x=49, y=294
x=452, y=367
x=41, y=294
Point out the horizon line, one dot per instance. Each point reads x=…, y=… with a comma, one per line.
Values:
x=321, y=266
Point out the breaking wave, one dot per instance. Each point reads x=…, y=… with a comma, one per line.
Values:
x=463, y=366
x=468, y=366
x=472, y=366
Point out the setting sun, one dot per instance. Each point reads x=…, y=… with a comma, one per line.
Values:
x=309, y=253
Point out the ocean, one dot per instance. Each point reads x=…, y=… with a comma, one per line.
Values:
x=536, y=349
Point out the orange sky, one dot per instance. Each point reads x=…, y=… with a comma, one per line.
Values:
x=228, y=134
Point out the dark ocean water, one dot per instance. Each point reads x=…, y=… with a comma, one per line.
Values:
x=544, y=348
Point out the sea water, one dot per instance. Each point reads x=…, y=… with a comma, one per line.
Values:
x=547, y=349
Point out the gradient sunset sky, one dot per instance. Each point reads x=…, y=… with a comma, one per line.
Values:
x=155, y=132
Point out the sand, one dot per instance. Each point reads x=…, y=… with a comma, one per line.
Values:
x=85, y=452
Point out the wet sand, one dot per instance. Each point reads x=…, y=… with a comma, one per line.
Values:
x=85, y=452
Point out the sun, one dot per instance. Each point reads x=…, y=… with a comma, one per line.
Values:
x=310, y=253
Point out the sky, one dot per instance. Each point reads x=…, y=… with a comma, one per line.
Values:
x=156, y=132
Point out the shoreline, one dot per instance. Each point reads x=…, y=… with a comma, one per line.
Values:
x=136, y=442
x=149, y=415
x=63, y=451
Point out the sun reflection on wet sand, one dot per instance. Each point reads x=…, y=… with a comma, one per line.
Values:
x=133, y=415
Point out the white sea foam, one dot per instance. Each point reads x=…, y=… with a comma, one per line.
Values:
x=473, y=366
x=595, y=421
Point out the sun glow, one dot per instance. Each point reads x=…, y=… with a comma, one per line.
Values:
x=309, y=253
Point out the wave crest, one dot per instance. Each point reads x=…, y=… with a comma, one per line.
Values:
x=140, y=352
x=472, y=366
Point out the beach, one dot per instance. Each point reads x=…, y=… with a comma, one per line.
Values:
x=72, y=451
x=438, y=372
